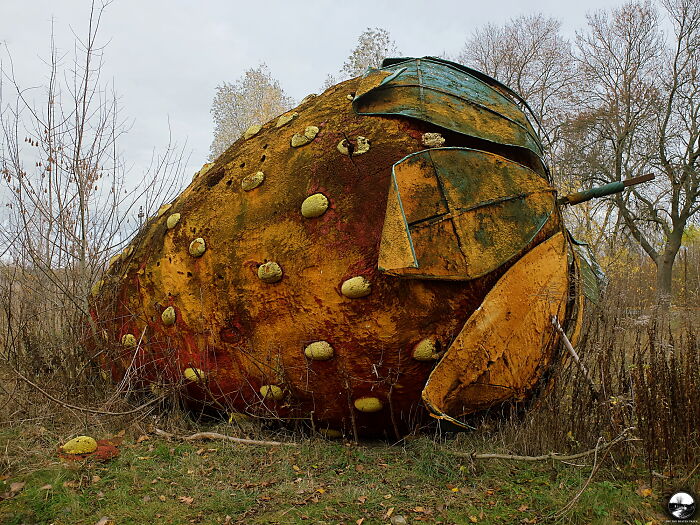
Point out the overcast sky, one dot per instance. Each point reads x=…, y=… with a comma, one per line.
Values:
x=166, y=57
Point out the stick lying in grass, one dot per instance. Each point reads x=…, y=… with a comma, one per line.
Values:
x=551, y=455
x=215, y=435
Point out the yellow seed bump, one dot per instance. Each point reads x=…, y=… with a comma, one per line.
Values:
x=368, y=404
x=286, y=119
x=319, y=351
x=172, y=220
x=250, y=182
x=270, y=272
x=356, y=287
x=163, y=209
x=425, y=350
x=80, y=445
x=206, y=167
x=198, y=247
x=433, y=140
x=361, y=146
x=128, y=340
x=252, y=131
x=271, y=392
x=96, y=288
x=114, y=260
x=127, y=251
x=314, y=205
x=168, y=316
x=193, y=374
x=330, y=433
x=299, y=139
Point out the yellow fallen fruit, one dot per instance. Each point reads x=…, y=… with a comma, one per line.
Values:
x=80, y=445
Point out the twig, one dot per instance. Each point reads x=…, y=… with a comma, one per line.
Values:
x=85, y=409
x=551, y=455
x=596, y=467
x=574, y=355
x=215, y=435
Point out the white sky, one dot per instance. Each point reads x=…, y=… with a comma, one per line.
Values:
x=166, y=57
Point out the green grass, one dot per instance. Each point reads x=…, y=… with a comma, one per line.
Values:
x=316, y=482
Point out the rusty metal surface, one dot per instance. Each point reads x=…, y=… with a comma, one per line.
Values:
x=452, y=98
x=458, y=214
x=258, y=289
x=505, y=345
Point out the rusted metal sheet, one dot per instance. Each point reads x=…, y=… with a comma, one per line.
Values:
x=458, y=214
x=434, y=91
x=505, y=345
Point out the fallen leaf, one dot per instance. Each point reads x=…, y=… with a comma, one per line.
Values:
x=142, y=438
x=473, y=519
x=17, y=486
x=296, y=468
x=387, y=496
x=320, y=491
x=389, y=512
x=46, y=487
x=144, y=458
x=644, y=492
x=162, y=498
x=105, y=521
x=186, y=499
x=454, y=489
x=360, y=521
x=522, y=508
x=96, y=478
x=362, y=499
x=71, y=484
x=419, y=509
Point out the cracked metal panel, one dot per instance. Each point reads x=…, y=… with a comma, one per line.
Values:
x=458, y=214
x=506, y=344
x=453, y=98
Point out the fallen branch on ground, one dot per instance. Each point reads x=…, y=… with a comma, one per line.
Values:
x=552, y=455
x=215, y=435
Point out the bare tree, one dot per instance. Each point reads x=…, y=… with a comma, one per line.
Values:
x=373, y=46
x=254, y=98
x=640, y=100
x=68, y=206
x=529, y=55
